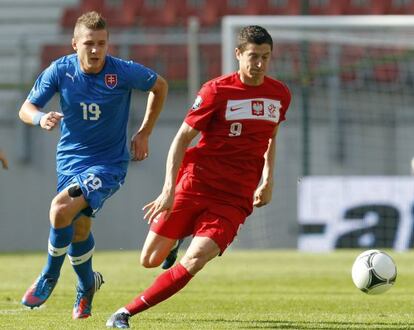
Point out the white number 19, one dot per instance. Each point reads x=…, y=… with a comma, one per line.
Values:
x=91, y=111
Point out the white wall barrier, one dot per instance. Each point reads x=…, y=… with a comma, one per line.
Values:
x=355, y=212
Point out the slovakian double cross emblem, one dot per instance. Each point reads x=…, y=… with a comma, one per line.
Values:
x=111, y=80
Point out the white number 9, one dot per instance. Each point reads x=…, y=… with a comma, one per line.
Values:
x=235, y=129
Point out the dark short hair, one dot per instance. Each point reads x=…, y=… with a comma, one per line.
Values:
x=91, y=20
x=253, y=34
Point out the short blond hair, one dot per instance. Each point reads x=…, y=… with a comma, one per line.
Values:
x=91, y=20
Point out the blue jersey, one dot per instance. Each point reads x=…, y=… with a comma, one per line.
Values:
x=95, y=109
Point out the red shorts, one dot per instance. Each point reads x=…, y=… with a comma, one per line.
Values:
x=198, y=214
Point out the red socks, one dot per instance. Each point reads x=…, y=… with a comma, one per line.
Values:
x=164, y=286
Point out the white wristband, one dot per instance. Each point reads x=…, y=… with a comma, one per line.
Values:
x=36, y=118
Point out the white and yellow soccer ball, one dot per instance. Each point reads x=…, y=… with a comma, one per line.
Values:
x=374, y=272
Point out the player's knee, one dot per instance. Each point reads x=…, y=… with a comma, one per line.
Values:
x=58, y=214
x=150, y=260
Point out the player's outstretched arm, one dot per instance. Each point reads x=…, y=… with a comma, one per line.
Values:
x=3, y=160
x=165, y=200
x=31, y=115
x=263, y=194
x=155, y=103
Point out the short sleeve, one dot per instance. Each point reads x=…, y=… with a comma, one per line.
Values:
x=45, y=86
x=199, y=115
x=285, y=102
x=139, y=76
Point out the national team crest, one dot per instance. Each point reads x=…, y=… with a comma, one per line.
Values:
x=111, y=80
x=197, y=103
x=258, y=108
x=272, y=110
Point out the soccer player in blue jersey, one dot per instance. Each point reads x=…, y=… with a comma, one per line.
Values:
x=92, y=154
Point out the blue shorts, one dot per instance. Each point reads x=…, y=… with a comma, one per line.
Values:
x=97, y=183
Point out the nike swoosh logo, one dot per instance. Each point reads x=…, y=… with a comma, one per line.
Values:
x=235, y=109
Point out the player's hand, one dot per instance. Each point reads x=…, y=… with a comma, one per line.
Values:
x=50, y=120
x=163, y=203
x=263, y=195
x=139, y=146
x=3, y=160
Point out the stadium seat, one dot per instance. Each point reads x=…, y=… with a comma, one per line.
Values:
x=210, y=61
x=364, y=7
x=176, y=58
x=282, y=7
x=168, y=60
x=242, y=7
x=386, y=65
x=209, y=12
x=326, y=7
x=352, y=68
x=145, y=54
x=53, y=52
x=400, y=7
x=69, y=17
x=129, y=11
x=111, y=13
x=160, y=13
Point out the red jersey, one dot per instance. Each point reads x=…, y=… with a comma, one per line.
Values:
x=236, y=122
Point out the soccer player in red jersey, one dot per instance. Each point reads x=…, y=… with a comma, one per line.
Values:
x=211, y=188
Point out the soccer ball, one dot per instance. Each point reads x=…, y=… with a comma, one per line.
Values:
x=374, y=272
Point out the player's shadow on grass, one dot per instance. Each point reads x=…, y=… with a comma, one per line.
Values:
x=222, y=323
x=261, y=324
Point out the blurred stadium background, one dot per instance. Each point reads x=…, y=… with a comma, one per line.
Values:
x=343, y=173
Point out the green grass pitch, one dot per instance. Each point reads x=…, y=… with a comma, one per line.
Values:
x=241, y=290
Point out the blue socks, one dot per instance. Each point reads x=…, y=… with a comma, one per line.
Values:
x=59, y=241
x=80, y=255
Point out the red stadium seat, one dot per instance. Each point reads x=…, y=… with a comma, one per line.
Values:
x=69, y=16
x=144, y=54
x=282, y=7
x=210, y=61
x=242, y=7
x=53, y=52
x=169, y=61
x=161, y=13
x=351, y=64
x=129, y=12
x=326, y=7
x=207, y=11
x=365, y=7
x=398, y=7
x=386, y=65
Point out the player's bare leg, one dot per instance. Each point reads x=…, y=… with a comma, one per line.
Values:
x=156, y=248
x=198, y=254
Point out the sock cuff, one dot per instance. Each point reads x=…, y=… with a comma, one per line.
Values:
x=56, y=252
x=179, y=271
x=77, y=260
